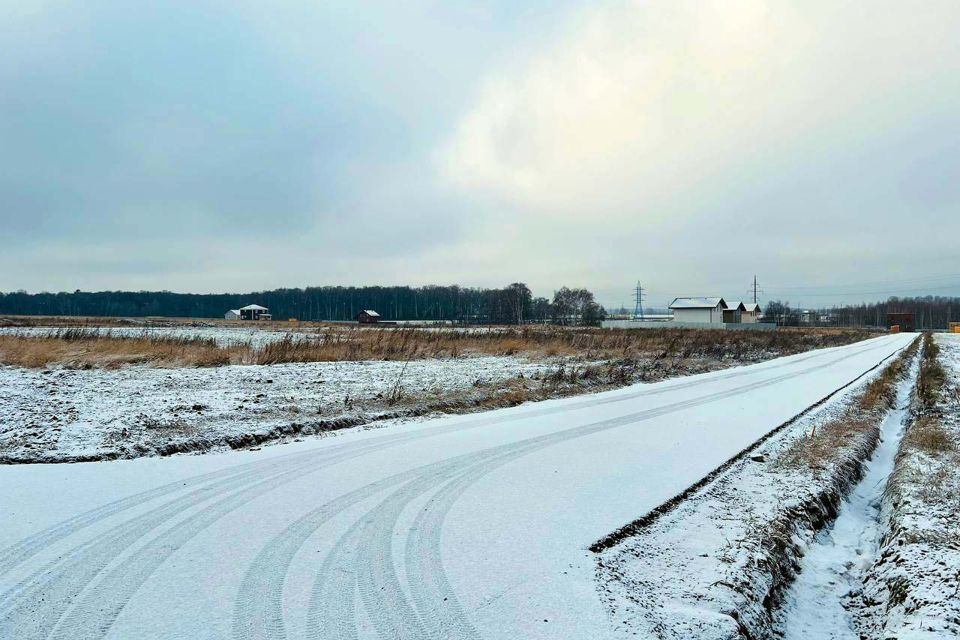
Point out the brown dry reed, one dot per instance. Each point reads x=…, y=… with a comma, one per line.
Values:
x=94, y=348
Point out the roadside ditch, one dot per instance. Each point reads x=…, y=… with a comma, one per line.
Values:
x=733, y=545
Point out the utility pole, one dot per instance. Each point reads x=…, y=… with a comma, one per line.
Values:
x=638, y=309
x=754, y=290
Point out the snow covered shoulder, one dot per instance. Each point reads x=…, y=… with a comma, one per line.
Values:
x=912, y=591
x=720, y=565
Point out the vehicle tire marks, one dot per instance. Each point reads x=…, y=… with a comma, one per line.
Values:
x=426, y=582
x=22, y=551
x=335, y=590
x=60, y=582
x=258, y=610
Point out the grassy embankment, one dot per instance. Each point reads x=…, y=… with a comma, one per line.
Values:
x=863, y=416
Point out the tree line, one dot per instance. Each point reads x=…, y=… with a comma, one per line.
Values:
x=513, y=304
x=931, y=312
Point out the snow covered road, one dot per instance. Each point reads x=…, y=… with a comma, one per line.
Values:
x=462, y=527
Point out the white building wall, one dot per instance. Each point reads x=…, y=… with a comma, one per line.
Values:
x=696, y=315
x=748, y=316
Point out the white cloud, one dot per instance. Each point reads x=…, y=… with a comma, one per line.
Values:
x=649, y=130
x=638, y=101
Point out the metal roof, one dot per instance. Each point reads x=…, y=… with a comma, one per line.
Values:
x=736, y=305
x=696, y=303
x=371, y=312
x=751, y=306
x=253, y=307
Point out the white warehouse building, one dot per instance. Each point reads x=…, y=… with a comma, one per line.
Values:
x=702, y=310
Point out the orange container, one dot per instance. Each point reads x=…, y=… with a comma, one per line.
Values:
x=895, y=328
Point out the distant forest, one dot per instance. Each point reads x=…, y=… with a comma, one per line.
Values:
x=931, y=312
x=513, y=304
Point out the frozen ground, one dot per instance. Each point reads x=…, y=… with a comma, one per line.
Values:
x=459, y=527
x=65, y=414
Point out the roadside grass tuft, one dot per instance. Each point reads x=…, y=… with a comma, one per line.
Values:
x=829, y=440
x=932, y=375
x=929, y=435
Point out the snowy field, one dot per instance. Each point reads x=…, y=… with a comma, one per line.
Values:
x=458, y=527
x=70, y=414
x=86, y=408
x=223, y=335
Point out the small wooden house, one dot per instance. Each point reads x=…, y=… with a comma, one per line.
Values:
x=367, y=316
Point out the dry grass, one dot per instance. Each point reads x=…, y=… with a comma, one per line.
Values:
x=929, y=435
x=335, y=344
x=630, y=350
x=881, y=393
x=830, y=440
x=932, y=375
x=97, y=349
x=818, y=450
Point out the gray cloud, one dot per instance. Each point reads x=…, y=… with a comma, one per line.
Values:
x=689, y=145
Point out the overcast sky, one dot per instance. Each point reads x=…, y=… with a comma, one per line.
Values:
x=237, y=145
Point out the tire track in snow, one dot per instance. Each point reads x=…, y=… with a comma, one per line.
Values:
x=334, y=592
x=258, y=609
x=20, y=552
x=57, y=586
x=59, y=583
x=427, y=580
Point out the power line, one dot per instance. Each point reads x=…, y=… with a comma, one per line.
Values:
x=894, y=282
x=898, y=292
